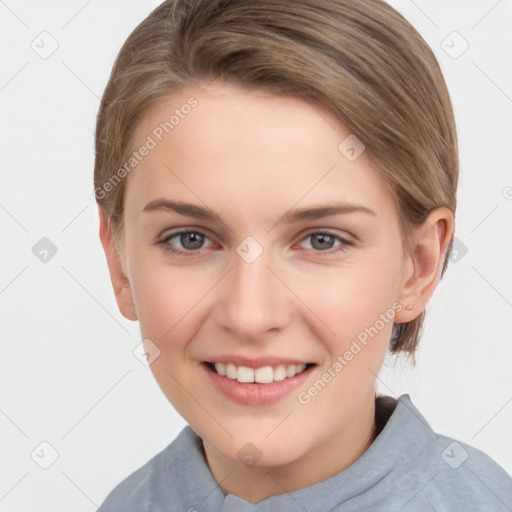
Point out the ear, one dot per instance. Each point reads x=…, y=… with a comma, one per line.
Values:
x=422, y=268
x=120, y=282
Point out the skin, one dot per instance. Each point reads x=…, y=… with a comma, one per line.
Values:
x=250, y=157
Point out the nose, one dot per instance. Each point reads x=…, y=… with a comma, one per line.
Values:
x=255, y=301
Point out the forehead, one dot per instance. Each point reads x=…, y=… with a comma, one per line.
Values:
x=249, y=147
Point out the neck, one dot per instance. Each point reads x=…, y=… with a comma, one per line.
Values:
x=323, y=461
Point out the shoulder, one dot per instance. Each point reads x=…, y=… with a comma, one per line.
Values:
x=467, y=475
x=136, y=492
x=455, y=474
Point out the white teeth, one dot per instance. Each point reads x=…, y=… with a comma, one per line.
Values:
x=230, y=371
x=263, y=375
x=291, y=370
x=244, y=374
x=280, y=372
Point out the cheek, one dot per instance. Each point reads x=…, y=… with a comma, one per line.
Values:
x=356, y=322
x=347, y=300
x=168, y=302
x=165, y=296
x=354, y=306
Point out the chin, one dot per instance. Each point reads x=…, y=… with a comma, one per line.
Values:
x=254, y=450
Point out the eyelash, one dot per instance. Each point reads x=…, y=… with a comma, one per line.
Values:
x=168, y=248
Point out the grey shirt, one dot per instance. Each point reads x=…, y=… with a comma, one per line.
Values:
x=408, y=468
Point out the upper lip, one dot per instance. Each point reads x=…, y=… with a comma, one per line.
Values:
x=255, y=362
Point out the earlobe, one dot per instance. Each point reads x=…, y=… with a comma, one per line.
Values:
x=120, y=282
x=422, y=268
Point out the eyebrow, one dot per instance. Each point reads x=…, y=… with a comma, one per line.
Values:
x=291, y=216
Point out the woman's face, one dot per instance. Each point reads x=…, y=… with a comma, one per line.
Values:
x=261, y=282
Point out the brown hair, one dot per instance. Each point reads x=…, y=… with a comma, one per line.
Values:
x=361, y=58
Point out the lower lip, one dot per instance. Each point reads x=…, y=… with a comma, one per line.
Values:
x=254, y=393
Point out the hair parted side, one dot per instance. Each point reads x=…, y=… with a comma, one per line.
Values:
x=360, y=58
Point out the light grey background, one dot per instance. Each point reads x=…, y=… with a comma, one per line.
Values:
x=69, y=377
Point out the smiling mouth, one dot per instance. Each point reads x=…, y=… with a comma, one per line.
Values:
x=261, y=375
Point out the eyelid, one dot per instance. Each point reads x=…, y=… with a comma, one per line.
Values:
x=205, y=232
x=182, y=231
x=348, y=239
x=345, y=242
